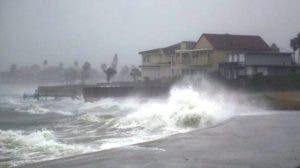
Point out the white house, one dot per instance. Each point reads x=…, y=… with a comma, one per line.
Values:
x=161, y=63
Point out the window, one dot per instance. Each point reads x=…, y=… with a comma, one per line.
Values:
x=249, y=70
x=195, y=54
x=186, y=59
x=146, y=59
x=230, y=58
x=235, y=58
x=242, y=58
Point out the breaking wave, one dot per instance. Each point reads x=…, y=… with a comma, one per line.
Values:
x=39, y=145
x=116, y=122
x=31, y=106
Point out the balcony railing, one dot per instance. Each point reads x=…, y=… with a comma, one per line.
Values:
x=232, y=64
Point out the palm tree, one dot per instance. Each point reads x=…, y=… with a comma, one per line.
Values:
x=109, y=72
x=85, y=71
x=135, y=73
x=76, y=64
x=295, y=42
x=45, y=63
x=275, y=48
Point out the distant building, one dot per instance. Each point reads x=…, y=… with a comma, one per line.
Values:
x=248, y=64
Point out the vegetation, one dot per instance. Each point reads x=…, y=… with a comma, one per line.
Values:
x=135, y=73
x=74, y=74
x=275, y=48
x=112, y=70
x=109, y=72
x=295, y=42
x=284, y=100
x=85, y=72
x=124, y=74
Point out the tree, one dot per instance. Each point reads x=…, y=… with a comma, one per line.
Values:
x=13, y=69
x=70, y=75
x=61, y=65
x=112, y=70
x=275, y=48
x=124, y=73
x=85, y=71
x=76, y=64
x=114, y=63
x=35, y=68
x=13, y=72
x=135, y=73
x=109, y=72
x=45, y=63
x=295, y=42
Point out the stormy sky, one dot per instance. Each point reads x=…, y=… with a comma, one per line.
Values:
x=94, y=30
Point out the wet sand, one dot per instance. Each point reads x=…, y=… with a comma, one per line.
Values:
x=262, y=140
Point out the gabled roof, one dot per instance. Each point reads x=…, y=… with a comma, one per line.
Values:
x=150, y=51
x=171, y=49
x=190, y=44
x=236, y=42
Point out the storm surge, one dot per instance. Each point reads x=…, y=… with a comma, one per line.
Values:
x=83, y=127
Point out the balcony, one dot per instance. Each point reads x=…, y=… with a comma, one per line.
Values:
x=232, y=64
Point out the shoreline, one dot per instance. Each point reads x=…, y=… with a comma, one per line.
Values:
x=256, y=141
x=281, y=100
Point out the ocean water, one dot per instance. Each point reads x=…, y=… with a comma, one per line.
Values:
x=37, y=130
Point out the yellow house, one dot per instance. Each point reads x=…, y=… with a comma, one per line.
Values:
x=212, y=49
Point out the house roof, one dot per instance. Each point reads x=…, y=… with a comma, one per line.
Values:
x=236, y=42
x=150, y=51
x=190, y=44
x=171, y=49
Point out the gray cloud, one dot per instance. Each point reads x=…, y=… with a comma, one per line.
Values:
x=68, y=30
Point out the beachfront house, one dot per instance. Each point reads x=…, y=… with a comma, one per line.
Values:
x=159, y=63
x=207, y=55
x=212, y=49
x=243, y=65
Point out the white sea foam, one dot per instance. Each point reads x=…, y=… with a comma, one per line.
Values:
x=63, y=106
x=36, y=146
x=116, y=122
x=187, y=108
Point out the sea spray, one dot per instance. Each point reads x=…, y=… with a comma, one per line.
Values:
x=35, y=146
x=83, y=127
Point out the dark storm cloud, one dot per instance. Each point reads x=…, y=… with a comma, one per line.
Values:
x=68, y=30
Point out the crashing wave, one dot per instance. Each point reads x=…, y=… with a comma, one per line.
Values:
x=36, y=146
x=117, y=122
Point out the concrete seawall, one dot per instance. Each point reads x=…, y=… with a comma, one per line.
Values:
x=92, y=93
x=60, y=91
x=103, y=90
